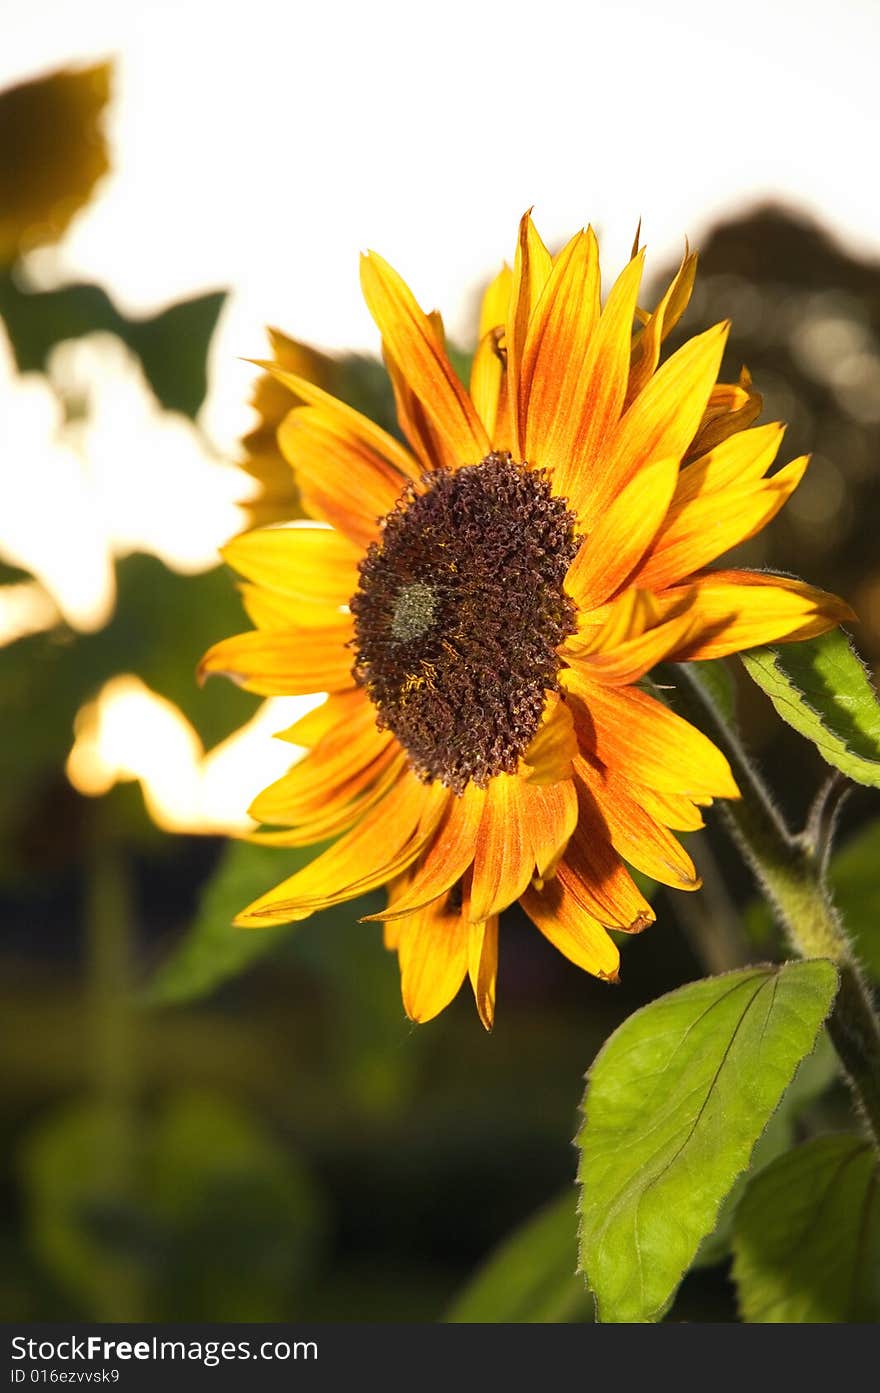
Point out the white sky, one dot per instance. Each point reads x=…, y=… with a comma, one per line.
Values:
x=261, y=145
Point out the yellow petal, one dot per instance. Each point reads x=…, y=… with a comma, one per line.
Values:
x=383, y=844
x=310, y=563
x=531, y=271
x=734, y=610
x=714, y=523
x=413, y=343
x=448, y=857
x=599, y=397
x=341, y=480
x=622, y=535
x=548, y=757
x=629, y=730
x=554, y=354
x=664, y=417
x=292, y=663
x=483, y=967
x=551, y=814
x=634, y=834
x=648, y=341
x=630, y=660
x=503, y=858
x=432, y=947
x=562, y=920
x=344, y=420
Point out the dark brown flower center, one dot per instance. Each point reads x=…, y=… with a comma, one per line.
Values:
x=458, y=615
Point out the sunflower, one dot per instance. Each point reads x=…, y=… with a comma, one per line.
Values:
x=482, y=605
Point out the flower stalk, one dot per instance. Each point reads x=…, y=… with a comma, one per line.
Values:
x=791, y=868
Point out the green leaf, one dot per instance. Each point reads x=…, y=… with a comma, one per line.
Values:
x=814, y=1074
x=716, y=677
x=212, y=951
x=675, y=1103
x=531, y=1277
x=821, y=688
x=172, y=346
x=807, y=1239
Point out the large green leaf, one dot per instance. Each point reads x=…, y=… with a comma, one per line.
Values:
x=172, y=346
x=814, y=1074
x=675, y=1103
x=807, y=1236
x=532, y=1276
x=821, y=688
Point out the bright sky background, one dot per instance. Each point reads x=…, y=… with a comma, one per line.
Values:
x=261, y=145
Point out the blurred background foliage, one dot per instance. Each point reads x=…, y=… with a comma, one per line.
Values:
x=205, y=1124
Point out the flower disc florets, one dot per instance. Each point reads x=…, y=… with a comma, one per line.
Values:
x=458, y=615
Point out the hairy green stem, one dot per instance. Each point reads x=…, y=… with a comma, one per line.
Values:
x=791, y=870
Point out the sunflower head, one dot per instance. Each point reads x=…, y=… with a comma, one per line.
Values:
x=481, y=604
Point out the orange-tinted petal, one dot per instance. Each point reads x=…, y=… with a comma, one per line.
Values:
x=345, y=421
x=348, y=758
x=714, y=523
x=732, y=407
x=664, y=417
x=503, y=857
x=548, y=757
x=634, y=834
x=562, y=920
x=629, y=730
x=483, y=967
x=341, y=480
x=551, y=814
x=734, y=610
x=630, y=660
x=531, y=271
x=551, y=381
x=622, y=535
x=647, y=342
x=596, y=876
x=382, y=845
x=412, y=343
x=596, y=408
x=448, y=857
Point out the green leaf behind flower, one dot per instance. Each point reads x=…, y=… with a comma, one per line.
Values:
x=807, y=1236
x=531, y=1277
x=675, y=1103
x=821, y=689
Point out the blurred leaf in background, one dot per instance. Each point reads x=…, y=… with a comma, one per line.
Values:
x=53, y=151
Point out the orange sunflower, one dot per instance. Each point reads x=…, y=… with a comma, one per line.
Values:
x=481, y=604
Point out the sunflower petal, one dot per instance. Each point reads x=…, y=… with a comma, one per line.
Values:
x=412, y=342
x=341, y=480
x=483, y=967
x=664, y=417
x=346, y=422
x=713, y=524
x=432, y=947
x=634, y=833
x=308, y=563
x=630, y=730
x=562, y=920
x=734, y=610
x=377, y=849
x=503, y=858
x=551, y=814
x=648, y=341
x=629, y=661
x=292, y=663
x=622, y=535
x=554, y=355
x=548, y=757
x=531, y=271
x=448, y=857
